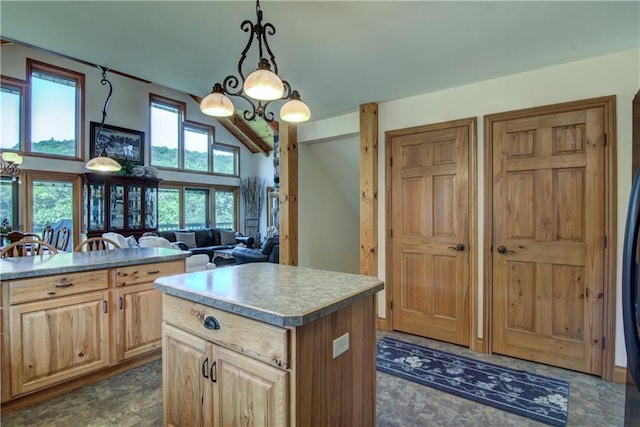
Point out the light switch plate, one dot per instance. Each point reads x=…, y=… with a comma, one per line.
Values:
x=340, y=345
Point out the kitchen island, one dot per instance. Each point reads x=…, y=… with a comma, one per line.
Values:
x=69, y=319
x=268, y=345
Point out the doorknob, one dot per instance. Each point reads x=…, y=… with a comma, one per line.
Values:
x=502, y=250
x=459, y=247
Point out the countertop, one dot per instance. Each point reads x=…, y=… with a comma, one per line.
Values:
x=277, y=294
x=43, y=265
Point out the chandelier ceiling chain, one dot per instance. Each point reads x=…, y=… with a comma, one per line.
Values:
x=103, y=163
x=260, y=87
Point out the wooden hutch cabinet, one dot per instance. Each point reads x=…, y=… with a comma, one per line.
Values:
x=121, y=204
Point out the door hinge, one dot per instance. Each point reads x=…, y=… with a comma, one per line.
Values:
x=604, y=341
x=391, y=305
x=604, y=139
x=391, y=233
x=605, y=241
x=390, y=161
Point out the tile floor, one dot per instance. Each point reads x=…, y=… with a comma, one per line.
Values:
x=135, y=399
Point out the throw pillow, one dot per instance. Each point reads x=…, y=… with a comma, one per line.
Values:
x=189, y=238
x=131, y=242
x=227, y=237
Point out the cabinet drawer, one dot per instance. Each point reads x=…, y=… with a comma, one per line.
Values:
x=262, y=341
x=42, y=288
x=144, y=273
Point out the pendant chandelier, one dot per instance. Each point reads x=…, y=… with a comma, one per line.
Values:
x=10, y=162
x=259, y=88
x=103, y=163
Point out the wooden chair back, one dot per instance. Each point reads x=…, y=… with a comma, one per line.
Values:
x=62, y=239
x=29, y=246
x=14, y=236
x=96, y=244
x=47, y=234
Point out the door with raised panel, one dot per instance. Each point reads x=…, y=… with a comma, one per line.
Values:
x=139, y=320
x=186, y=387
x=249, y=393
x=549, y=238
x=430, y=226
x=57, y=340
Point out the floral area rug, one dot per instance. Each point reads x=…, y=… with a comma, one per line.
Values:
x=529, y=395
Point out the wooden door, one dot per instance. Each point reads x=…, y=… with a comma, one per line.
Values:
x=430, y=226
x=186, y=384
x=549, y=238
x=249, y=393
x=57, y=340
x=139, y=320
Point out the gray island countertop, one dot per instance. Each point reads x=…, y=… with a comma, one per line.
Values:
x=280, y=295
x=44, y=265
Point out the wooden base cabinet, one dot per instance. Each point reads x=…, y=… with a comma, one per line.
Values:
x=206, y=384
x=138, y=319
x=236, y=371
x=56, y=340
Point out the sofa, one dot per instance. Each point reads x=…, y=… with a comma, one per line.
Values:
x=269, y=252
x=193, y=263
x=205, y=241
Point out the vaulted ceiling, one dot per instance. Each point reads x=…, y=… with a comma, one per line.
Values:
x=338, y=54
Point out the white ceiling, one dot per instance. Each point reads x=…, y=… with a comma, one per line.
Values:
x=338, y=54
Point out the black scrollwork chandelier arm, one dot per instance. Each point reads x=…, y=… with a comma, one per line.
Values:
x=104, y=82
x=233, y=86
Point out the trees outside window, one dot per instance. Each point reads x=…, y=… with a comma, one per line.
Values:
x=190, y=207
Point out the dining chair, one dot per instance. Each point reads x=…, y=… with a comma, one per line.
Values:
x=47, y=234
x=62, y=239
x=14, y=236
x=29, y=246
x=96, y=244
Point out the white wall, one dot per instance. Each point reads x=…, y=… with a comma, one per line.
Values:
x=616, y=74
x=328, y=205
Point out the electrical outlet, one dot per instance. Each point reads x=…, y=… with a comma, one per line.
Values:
x=340, y=345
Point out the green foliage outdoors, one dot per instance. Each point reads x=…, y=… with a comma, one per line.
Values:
x=56, y=202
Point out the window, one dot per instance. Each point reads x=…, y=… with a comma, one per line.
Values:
x=196, y=208
x=166, y=121
x=9, y=202
x=56, y=105
x=225, y=160
x=225, y=208
x=168, y=208
x=52, y=204
x=190, y=207
x=12, y=104
x=197, y=143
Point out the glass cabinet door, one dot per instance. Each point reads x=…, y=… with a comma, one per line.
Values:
x=135, y=207
x=116, y=207
x=150, y=207
x=96, y=206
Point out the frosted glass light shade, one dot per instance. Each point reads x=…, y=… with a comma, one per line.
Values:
x=295, y=111
x=11, y=157
x=263, y=85
x=103, y=164
x=217, y=105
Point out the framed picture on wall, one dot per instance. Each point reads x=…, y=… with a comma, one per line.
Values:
x=119, y=143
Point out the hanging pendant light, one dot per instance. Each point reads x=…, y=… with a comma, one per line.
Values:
x=260, y=87
x=103, y=163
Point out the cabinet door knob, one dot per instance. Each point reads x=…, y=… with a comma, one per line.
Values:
x=212, y=371
x=459, y=247
x=205, y=362
x=211, y=323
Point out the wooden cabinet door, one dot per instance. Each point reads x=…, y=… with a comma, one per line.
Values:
x=430, y=224
x=187, y=388
x=248, y=392
x=548, y=243
x=57, y=340
x=138, y=320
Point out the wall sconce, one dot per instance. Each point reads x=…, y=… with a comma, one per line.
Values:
x=10, y=165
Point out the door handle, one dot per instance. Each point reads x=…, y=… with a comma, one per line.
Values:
x=213, y=372
x=205, y=364
x=502, y=250
x=459, y=247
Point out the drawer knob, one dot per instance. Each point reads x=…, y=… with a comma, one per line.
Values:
x=211, y=323
x=63, y=284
